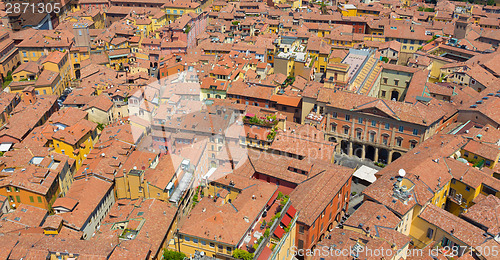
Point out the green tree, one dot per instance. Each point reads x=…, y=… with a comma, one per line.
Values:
x=173, y=255
x=490, y=2
x=242, y=254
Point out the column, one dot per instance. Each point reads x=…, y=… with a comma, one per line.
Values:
x=363, y=152
x=350, y=149
x=375, y=157
x=389, y=159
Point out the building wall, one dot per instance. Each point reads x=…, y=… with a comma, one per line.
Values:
x=420, y=229
x=476, y=116
x=286, y=243
x=16, y=196
x=388, y=83
x=190, y=244
x=475, y=158
x=61, y=147
x=327, y=220
x=99, y=213
x=99, y=116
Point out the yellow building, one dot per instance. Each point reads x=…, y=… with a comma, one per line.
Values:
x=27, y=72
x=52, y=225
x=176, y=9
x=59, y=62
x=446, y=230
x=77, y=55
x=43, y=42
x=319, y=51
x=31, y=74
x=347, y=9
x=76, y=141
x=481, y=154
x=19, y=187
x=336, y=74
x=249, y=198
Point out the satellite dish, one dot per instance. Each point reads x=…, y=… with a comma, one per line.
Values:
x=402, y=172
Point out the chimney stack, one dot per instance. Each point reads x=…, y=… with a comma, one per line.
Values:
x=29, y=96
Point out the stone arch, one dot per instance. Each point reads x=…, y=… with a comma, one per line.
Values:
x=370, y=152
x=395, y=156
x=394, y=95
x=383, y=155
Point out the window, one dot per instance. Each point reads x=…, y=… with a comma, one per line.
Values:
x=16, y=189
x=346, y=130
x=466, y=154
x=383, y=93
x=415, y=131
x=18, y=199
x=203, y=242
x=360, y=120
x=467, y=188
x=347, y=117
x=229, y=249
x=359, y=134
x=385, y=82
x=334, y=114
x=312, y=238
x=220, y=247
x=300, y=244
x=399, y=141
x=430, y=232
x=487, y=163
x=301, y=229
x=31, y=199
x=372, y=137
x=8, y=189
x=212, y=245
x=387, y=126
x=413, y=144
x=401, y=129
x=321, y=226
x=187, y=239
x=396, y=82
x=374, y=123
x=39, y=199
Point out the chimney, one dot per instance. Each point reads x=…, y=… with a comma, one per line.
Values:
x=29, y=96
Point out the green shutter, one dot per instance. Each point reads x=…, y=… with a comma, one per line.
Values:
x=39, y=199
x=31, y=199
x=18, y=199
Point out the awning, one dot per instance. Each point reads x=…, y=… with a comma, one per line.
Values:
x=286, y=220
x=4, y=147
x=279, y=232
x=291, y=211
x=366, y=173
